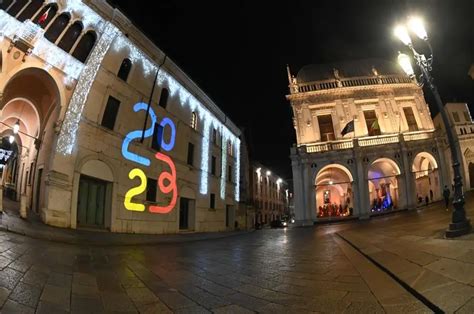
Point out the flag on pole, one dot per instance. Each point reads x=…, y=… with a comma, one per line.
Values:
x=44, y=17
x=375, y=125
x=348, y=128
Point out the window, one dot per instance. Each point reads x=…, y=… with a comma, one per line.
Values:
x=157, y=137
x=229, y=173
x=467, y=117
x=53, y=9
x=16, y=7
x=455, y=117
x=151, y=190
x=212, y=201
x=214, y=136
x=372, y=123
x=70, y=37
x=163, y=102
x=190, y=154
x=230, y=149
x=110, y=113
x=30, y=10
x=213, y=165
x=84, y=47
x=411, y=121
x=57, y=27
x=124, y=70
x=326, y=128
x=194, y=120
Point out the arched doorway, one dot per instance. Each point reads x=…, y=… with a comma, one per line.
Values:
x=31, y=100
x=471, y=174
x=383, y=185
x=425, y=171
x=334, y=194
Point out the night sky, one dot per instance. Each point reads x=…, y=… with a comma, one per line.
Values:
x=237, y=52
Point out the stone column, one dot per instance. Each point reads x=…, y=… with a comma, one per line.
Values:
x=23, y=212
x=406, y=181
x=298, y=196
x=361, y=201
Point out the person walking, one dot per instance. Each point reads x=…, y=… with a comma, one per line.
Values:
x=427, y=200
x=446, y=193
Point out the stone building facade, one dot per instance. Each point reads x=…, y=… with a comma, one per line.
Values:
x=77, y=77
x=365, y=142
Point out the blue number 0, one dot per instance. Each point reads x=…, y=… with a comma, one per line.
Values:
x=138, y=134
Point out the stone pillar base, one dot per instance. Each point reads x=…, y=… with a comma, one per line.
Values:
x=458, y=229
x=23, y=212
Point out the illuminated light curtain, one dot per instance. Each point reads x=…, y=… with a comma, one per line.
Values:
x=71, y=36
x=58, y=26
x=224, y=163
x=30, y=10
x=205, y=155
x=84, y=47
x=237, y=170
x=67, y=137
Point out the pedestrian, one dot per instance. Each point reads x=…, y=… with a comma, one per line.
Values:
x=431, y=195
x=427, y=200
x=446, y=193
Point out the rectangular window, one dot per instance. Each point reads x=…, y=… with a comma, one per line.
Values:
x=212, y=201
x=230, y=149
x=163, y=102
x=411, y=121
x=190, y=154
x=372, y=123
x=157, y=137
x=467, y=117
x=110, y=113
x=151, y=190
x=455, y=117
x=213, y=165
x=326, y=128
x=214, y=136
x=229, y=173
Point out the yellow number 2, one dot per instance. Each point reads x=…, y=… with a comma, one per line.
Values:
x=135, y=191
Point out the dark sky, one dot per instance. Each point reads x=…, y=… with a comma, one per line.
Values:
x=237, y=51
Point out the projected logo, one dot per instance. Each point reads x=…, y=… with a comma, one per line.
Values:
x=166, y=180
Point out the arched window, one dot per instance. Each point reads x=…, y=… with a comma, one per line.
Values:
x=58, y=26
x=163, y=98
x=5, y=4
x=194, y=120
x=52, y=9
x=84, y=47
x=30, y=10
x=70, y=37
x=124, y=70
x=17, y=6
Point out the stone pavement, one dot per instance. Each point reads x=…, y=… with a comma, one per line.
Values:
x=299, y=270
x=411, y=246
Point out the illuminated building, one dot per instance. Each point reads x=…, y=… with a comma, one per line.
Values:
x=365, y=142
x=268, y=194
x=78, y=77
x=463, y=129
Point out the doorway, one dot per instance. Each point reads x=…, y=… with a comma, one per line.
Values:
x=229, y=216
x=186, y=214
x=91, y=203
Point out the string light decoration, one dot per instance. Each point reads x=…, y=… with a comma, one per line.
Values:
x=223, y=163
x=67, y=137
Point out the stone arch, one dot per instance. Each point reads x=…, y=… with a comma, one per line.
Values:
x=97, y=169
x=383, y=183
x=334, y=196
x=426, y=176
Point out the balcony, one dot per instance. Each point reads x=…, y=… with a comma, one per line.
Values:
x=385, y=139
x=28, y=37
x=350, y=82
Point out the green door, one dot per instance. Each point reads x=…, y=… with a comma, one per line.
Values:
x=91, y=202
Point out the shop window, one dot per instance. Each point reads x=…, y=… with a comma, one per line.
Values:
x=57, y=27
x=124, y=70
x=163, y=102
x=71, y=36
x=151, y=190
x=52, y=9
x=84, y=47
x=110, y=113
x=30, y=10
x=326, y=128
x=410, y=117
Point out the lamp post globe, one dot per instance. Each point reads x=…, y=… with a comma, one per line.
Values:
x=460, y=224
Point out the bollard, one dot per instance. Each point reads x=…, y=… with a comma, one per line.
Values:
x=23, y=213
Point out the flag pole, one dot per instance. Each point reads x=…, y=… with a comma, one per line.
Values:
x=150, y=99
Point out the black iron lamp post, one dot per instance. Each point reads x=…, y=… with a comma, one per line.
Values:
x=459, y=225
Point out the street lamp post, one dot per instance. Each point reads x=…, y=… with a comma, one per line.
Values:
x=459, y=225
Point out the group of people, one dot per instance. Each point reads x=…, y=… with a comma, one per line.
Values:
x=331, y=210
x=427, y=199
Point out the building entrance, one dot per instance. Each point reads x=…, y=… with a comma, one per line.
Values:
x=91, y=203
